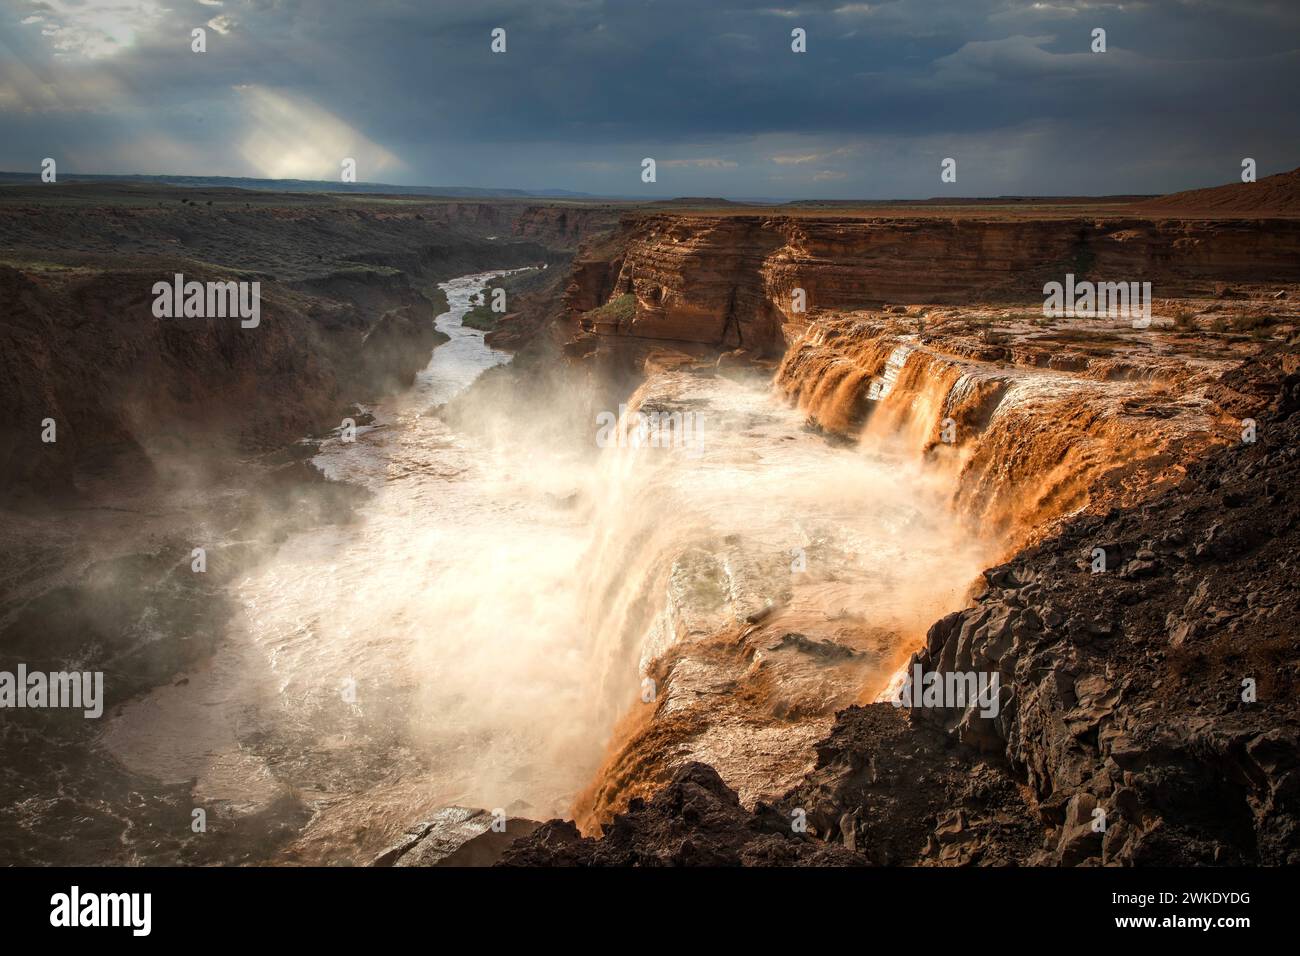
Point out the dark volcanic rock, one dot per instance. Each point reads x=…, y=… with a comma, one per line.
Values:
x=1144, y=698
x=696, y=820
x=902, y=794
x=1148, y=713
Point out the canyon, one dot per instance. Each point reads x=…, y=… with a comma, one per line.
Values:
x=669, y=657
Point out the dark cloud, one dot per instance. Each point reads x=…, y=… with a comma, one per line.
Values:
x=710, y=90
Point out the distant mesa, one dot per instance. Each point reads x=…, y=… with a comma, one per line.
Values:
x=297, y=185
x=1277, y=195
x=1271, y=196
x=694, y=201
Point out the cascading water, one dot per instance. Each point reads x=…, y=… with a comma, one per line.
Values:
x=479, y=629
x=1022, y=442
x=784, y=577
x=424, y=653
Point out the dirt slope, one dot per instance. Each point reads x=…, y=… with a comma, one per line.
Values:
x=1271, y=196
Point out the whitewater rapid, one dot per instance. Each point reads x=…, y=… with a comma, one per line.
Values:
x=474, y=633
x=384, y=666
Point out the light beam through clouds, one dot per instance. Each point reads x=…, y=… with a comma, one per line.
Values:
x=290, y=137
x=586, y=90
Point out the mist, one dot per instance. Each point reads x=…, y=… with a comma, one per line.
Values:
x=473, y=633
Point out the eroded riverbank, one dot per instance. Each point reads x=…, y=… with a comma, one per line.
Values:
x=319, y=694
x=478, y=629
x=500, y=613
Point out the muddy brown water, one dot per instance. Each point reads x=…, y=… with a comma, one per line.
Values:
x=475, y=633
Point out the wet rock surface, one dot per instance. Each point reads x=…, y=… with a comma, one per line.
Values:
x=696, y=820
x=457, y=836
x=1148, y=711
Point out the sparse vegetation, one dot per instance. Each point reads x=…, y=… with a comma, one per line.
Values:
x=1250, y=323
x=619, y=309
x=481, y=317
x=362, y=268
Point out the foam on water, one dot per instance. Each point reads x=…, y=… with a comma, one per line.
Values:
x=473, y=635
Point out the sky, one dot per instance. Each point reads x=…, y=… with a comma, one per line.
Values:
x=710, y=89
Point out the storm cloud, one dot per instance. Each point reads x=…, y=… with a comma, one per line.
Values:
x=712, y=91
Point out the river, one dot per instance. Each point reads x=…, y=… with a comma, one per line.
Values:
x=474, y=633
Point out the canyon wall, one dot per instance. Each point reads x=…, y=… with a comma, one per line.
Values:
x=1046, y=415
x=1029, y=422
x=348, y=300
x=1145, y=710
x=561, y=226
x=728, y=280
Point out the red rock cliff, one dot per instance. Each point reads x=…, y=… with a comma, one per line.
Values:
x=729, y=280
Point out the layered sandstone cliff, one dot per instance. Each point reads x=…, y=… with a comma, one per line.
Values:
x=729, y=280
x=1146, y=712
x=1053, y=424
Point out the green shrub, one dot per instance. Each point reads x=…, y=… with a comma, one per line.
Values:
x=619, y=309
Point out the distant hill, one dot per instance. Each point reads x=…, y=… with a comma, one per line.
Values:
x=979, y=201
x=692, y=201
x=301, y=185
x=1271, y=196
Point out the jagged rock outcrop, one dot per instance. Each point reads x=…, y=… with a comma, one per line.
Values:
x=1159, y=693
x=696, y=820
x=905, y=794
x=1146, y=712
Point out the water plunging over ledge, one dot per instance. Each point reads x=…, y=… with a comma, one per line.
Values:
x=475, y=633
